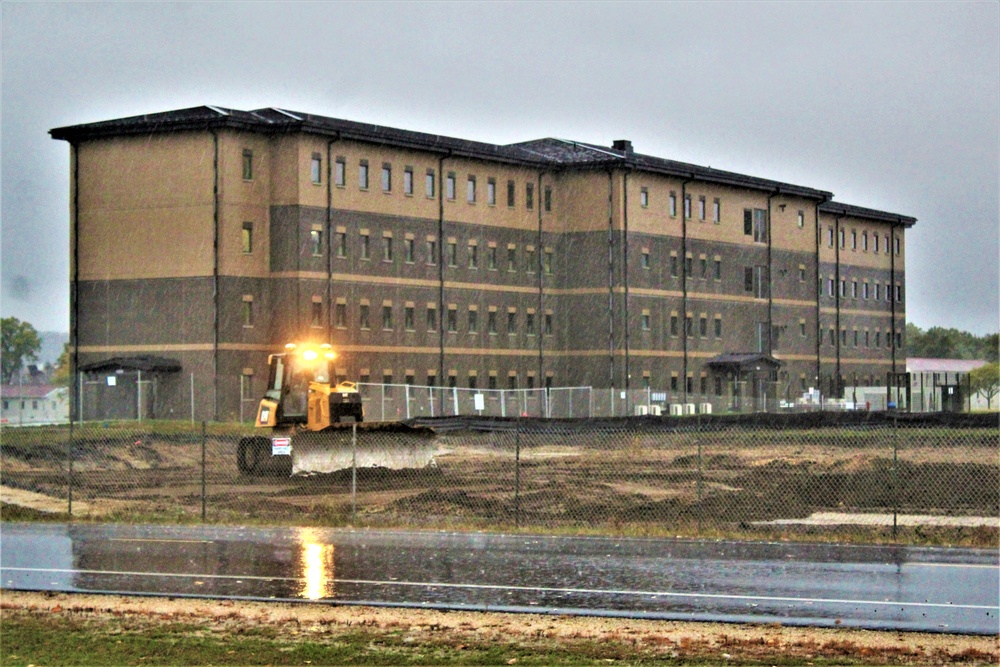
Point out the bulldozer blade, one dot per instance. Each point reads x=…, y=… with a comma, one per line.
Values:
x=327, y=452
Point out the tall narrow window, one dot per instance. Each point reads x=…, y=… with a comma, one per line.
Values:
x=315, y=242
x=473, y=256
x=673, y=205
x=365, y=247
x=802, y=219
x=386, y=177
x=687, y=206
x=511, y=259
x=755, y=224
x=491, y=322
x=429, y=183
x=340, y=172
x=316, y=319
x=340, y=315
x=701, y=208
x=548, y=198
x=449, y=190
x=247, y=164
x=247, y=238
x=529, y=196
x=529, y=323
x=432, y=252
x=718, y=269
x=363, y=316
x=341, y=244
x=473, y=321
x=547, y=262
x=316, y=168
x=387, y=317
x=452, y=253
x=408, y=181
x=491, y=191
x=644, y=197
x=491, y=258
x=716, y=210
x=470, y=189
x=386, y=248
x=432, y=318
x=548, y=324
x=511, y=322
x=248, y=311
x=511, y=196
x=363, y=175
x=408, y=250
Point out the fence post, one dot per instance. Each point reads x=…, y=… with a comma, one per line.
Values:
x=895, y=473
x=69, y=468
x=517, y=475
x=354, y=473
x=203, y=485
x=697, y=438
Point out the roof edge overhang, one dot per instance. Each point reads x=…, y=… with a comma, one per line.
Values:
x=849, y=210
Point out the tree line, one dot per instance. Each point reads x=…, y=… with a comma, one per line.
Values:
x=941, y=343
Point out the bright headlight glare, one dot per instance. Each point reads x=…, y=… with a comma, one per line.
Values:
x=309, y=355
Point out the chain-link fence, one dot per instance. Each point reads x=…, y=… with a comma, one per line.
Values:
x=909, y=478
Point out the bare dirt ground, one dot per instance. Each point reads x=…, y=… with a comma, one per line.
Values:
x=713, y=642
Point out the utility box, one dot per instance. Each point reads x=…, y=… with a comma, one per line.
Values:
x=705, y=408
x=641, y=410
x=689, y=409
x=655, y=410
x=676, y=410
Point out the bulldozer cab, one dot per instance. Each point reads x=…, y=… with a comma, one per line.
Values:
x=289, y=380
x=299, y=390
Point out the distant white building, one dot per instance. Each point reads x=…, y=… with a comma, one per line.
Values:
x=938, y=384
x=33, y=404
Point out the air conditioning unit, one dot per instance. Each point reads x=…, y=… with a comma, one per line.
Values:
x=676, y=410
x=689, y=409
x=655, y=410
x=641, y=410
x=705, y=408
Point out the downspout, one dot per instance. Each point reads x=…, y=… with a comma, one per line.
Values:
x=836, y=292
x=892, y=292
x=541, y=315
x=819, y=293
x=440, y=263
x=684, y=286
x=611, y=282
x=329, y=238
x=770, y=281
x=625, y=279
x=215, y=275
x=74, y=312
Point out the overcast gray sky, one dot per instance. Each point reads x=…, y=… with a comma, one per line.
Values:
x=891, y=106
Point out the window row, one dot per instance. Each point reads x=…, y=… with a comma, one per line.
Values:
x=864, y=338
x=492, y=322
x=472, y=380
x=873, y=291
x=875, y=243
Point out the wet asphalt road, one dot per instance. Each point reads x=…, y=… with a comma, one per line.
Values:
x=900, y=588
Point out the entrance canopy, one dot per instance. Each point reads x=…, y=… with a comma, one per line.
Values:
x=743, y=362
x=144, y=363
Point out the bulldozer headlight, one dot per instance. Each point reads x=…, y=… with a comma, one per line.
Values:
x=309, y=355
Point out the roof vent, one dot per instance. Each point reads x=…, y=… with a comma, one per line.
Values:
x=622, y=145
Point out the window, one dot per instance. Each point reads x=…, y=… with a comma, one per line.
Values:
x=511, y=322
x=673, y=204
x=875, y=243
x=867, y=338
x=316, y=242
x=452, y=381
x=491, y=322
x=472, y=382
x=511, y=259
x=429, y=183
x=703, y=262
x=718, y=269
x=644, y=259
x=246, y=238
x=878, y=338
x=317, y=314
x=408, y=251
x=843, y=289
x=491, y=258
x=899, y=293
x=431, y=380
x=408, y=181
x=689, y=325
x=864, y=241
x=247, y=164
x=432, y=317
x=473, y=321
x=802, y=219
x=387, y=377
x=755, y=279
x=829, y=287
x=512, y=382
x=529, y=196
x=548, y=324
x=673, y=264
x=340, y=315
x=701, y=208
x=887, y=246
x=855, y=338
x=363, y=175
x=341, y=244
x=470, y=189
x=387, y=317
x=644, y=197
x=492, y=381
x=452, y=319
x=687, y=206
x=316, y=169
x=878, y=291
x=802, y=273
x=529, y=323
x=897, y=242
x=854, y=289
x=718, y=326
x=548, y=198
x=703, y=326
x=864, y=291
x=888, y=292
x=511, y=189
x=673, y=324
x=755, y=224
x=644, y=321
x=833, y=337
x=449, y=189
x=365, y=246
x=802, y=328
x=491, y=192
x=529, y=261
x=473, y=256
x=386, y=177
x=687, y=266
x=547, y=262
x=673, y=382
x=854, y=239
x=716, y=210
x=704, y=384
x=452, y=253
x=340, y=172
x=386, y=248
x=431, y=251
x=843, y=236
x=718, y=385
x=363, y=316
x=247, y=311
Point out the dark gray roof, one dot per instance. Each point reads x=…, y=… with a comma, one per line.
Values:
x=837, y=208
x=743, y=359
x=549, y=153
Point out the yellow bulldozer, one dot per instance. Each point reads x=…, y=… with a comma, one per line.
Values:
x=309, y=419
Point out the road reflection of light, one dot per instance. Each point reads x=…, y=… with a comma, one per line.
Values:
x=317, y=567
